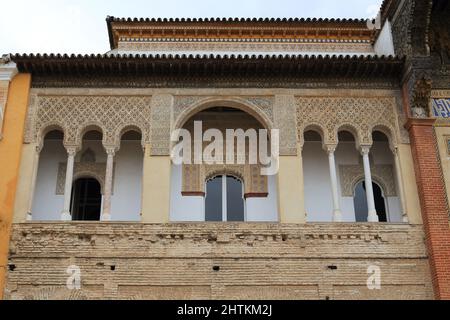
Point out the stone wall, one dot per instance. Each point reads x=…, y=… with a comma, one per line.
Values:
x=217, y=261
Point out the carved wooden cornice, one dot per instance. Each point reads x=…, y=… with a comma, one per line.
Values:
x=262, y=28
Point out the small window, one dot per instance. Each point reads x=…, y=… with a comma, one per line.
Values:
x=224, y=199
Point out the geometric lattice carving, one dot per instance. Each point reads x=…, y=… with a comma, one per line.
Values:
x=160, y=119
x=350, y=175
x=359, y=115
x=264, y=104
x=195, y=177
x=82, y=169
x=113, y=114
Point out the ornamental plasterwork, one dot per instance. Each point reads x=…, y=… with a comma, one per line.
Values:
x=244, y=47
x=285, y=107
x=195, y=177
x=350, y=175
x=440, y=94
x=74, y=114
x=161, y=106
x=264, y=104
x=359, y=115
x=94, y=170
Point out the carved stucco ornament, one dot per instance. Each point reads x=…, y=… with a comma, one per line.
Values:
x=383, y=175
x=421, y=99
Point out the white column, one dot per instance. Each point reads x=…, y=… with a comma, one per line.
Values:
x=33, y=182
x=71, y=152
x=401, y=190
x=372, y=214
x=224, y=198
x=337, y=214
x=106, y=215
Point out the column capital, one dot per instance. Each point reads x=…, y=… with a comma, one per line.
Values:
x=111, y=149
x=71, y=149
x=330, y=148
x=365, y=149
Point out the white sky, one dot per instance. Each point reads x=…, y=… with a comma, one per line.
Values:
x=78, y=26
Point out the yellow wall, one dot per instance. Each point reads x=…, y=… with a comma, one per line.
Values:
x=10, y=154
x=24, y=184
x=156, y=188
x=410, y=185
x=291, y=204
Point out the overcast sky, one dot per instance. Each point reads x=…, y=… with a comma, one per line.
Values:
x=78, y=26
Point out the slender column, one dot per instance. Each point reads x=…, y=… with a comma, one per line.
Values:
x=106, y=215
x=33, y=182
x=401, y=190
x=337, y=214
x=224, y=198
x=372, y=214
x=71, y=152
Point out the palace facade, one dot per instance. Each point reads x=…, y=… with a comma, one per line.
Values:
x=89, y=191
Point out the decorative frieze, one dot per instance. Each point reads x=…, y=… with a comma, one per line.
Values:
x=230, y=46
x=359, y=115
x=74, y=114
x=259, y=105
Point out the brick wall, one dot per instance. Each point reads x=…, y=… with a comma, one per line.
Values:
x=433, y=202
x=217, y=261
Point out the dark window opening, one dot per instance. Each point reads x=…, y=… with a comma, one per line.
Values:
x=213, y=203
x=360, y=202
x=86, y=200
x=233, y=209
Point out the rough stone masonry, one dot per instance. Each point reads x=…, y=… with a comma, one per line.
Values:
x=217, y=261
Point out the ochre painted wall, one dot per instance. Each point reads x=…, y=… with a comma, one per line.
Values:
x=10, y=154
x=409, y=184
x=156, y=188
x=291, y=190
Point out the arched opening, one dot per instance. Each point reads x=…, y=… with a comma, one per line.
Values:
x=191, y=192
x=46, y=203
x=316, y=173
x=383, y=162
x=127, y=177
x=86, y=200
x=224, y=199
x=360, y=202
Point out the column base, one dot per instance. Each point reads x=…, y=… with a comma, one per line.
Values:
x=373, y=217
x=65, y=216
x=105, y=217
x=337, y=216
